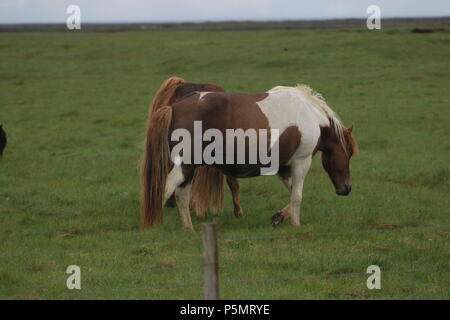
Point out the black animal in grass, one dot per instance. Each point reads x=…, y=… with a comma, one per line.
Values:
x=2, y=140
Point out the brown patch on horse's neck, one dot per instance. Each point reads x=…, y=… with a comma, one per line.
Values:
x=327, y=135
x=325, y=132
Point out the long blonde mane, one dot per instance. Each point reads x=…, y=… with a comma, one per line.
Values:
x=318, y=101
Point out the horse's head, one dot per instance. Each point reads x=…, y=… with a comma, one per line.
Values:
x=337, y=148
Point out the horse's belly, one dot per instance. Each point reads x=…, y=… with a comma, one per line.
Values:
x=240, y=170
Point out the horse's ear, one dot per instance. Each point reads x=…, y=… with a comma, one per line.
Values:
x=350, y=129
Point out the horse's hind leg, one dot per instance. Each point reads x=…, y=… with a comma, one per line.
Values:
x=179, y=181
x=183, y=197
x=234, y=188
x=171, y=203
x=174, y=179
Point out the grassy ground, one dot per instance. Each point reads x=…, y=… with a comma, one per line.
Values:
x=75, y=105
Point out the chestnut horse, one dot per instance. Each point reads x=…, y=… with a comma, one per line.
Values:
x=302, y=121
x=207, y=185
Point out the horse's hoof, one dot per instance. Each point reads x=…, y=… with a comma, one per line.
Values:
x=238, y=214
x=277, y=218
x=171, y=203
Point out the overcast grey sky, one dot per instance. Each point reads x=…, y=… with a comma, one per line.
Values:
x=29, y=11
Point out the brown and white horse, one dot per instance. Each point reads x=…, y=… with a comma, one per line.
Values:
x=207, y=185
x=305, y=125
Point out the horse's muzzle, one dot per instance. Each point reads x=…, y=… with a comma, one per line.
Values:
x=345, y=191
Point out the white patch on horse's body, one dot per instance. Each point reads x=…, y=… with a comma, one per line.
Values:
x=174, y=179
x=288, y=106
x=202, y=94
x=182, y=194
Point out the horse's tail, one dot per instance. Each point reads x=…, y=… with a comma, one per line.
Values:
x=155, y=167
x=165, y=93
x=207, y=191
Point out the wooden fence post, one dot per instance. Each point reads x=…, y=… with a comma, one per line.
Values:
x=210, y=262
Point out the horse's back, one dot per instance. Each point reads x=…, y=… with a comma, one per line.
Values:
x=221, y=110
x=285, y=110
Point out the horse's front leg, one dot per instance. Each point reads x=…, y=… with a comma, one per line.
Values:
x=299, y=172
x=283, y=214
x=294, y=183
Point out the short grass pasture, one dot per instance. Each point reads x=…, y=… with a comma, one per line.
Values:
x=75, y=104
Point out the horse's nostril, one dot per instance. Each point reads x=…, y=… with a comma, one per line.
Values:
x=345, y=190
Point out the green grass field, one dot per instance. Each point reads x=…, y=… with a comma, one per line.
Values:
x=75, y=106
